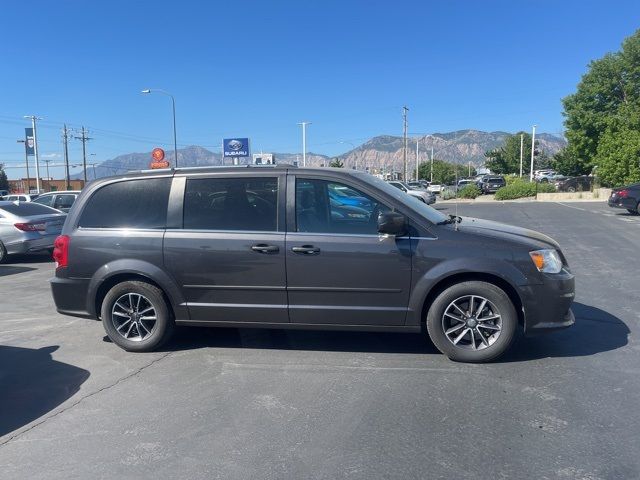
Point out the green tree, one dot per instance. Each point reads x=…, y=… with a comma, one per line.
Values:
x=601, y=117
x=336, y=163
x=443, y=172
x=566, y=162
x=4, y=182
x=506, y=159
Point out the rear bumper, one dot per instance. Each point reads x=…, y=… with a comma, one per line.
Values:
x=547, y=306
x=70, y=296
x=27, y=245
x=627, y=203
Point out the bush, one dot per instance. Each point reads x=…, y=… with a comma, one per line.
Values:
x=447, y=193
x=522, y=189
x=469, y=191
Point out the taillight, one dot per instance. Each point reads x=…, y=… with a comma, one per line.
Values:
x=61, y=251
x=31, y=227
x=623, y=193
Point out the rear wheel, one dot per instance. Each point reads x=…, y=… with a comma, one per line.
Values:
x=571, y=190
x=136, y=317
x=472, y=321
x=636, y=211
x=3, y=253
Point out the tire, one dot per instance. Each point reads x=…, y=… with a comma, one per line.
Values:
x=494, y=344
x=571, y=190
x=130, y=331
x=3, y=253
x=631, y=211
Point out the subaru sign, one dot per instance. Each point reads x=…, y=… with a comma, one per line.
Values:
x=235, y=147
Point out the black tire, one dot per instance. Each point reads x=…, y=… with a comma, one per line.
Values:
x=631, y=211
x=497, y=299
x=571, y=190
x=3, y=253
x=158, y=334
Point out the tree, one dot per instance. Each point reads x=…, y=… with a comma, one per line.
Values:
x=601, y=117
x=4, y=182
x=336, y=163
x=506, y=159
x=443, y=172
x=566, y=162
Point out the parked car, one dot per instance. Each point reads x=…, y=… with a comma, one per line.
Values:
x=3, y=193
x=575, y=184
x=544, y=175
x=27, y=227
x=434, y=188
x=59, y=200
x=626, y=197
x=492, y=184
x=20, y=197
x=422, y=195
x=418, y=185
x=146, y=251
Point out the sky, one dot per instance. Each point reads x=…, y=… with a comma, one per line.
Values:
x=257, y=68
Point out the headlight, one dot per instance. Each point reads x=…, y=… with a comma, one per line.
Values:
x=547, y=261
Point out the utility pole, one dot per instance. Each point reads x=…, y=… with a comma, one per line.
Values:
x=83, y=137
x=65, y=141
x=404, y=151
x=417, y=155
x=47, y=162
x=533, y=150
x=304, y=142
x=33, y=119
x=431, y=181
x=26, y=163
x=469, y=176
x=521, y=150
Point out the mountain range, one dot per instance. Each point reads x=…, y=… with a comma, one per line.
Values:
x=462, y=146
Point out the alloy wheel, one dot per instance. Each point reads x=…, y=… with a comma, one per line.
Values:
x=133, y=316
x=472, y=322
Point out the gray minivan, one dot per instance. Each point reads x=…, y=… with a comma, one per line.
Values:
x=268, y=247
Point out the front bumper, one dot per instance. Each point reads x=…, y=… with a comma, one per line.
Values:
x=547, y=306
x=70, y=296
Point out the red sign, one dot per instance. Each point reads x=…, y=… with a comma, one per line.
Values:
x=157, y=154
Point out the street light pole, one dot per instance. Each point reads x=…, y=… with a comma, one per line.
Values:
x=521, y=151
x=533, y=149
x=26, y=163
x=33, y=119
x=173, y=105
x=417, y=156
x=304, y=142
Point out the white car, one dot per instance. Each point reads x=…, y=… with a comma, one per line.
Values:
x=434, y=188
x=420, y=194
x=20, y=197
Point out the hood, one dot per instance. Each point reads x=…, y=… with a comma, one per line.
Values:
x=503, y=231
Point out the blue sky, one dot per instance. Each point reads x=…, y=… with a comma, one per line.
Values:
x=256, y=68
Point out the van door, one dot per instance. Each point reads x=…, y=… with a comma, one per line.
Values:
x=227, y=254
x=339, y=269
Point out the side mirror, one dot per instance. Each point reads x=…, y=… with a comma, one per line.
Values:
x=392, y=223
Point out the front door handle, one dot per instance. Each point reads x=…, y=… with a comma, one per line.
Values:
x=264, y=248
x=306, y=250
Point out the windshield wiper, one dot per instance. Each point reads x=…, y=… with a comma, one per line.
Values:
x=451, y=219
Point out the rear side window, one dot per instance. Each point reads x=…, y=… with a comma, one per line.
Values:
x=128, y=204
x=64, y=201
x=44, y=200
x=238, y=204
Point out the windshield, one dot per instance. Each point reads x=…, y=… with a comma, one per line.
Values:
x=423, y=209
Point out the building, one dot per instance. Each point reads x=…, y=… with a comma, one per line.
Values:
x=264, y=159
x=46, y=185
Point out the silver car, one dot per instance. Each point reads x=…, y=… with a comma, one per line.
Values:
x=421, y=194
x=28, y=227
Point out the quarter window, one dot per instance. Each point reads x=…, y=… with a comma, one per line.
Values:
x=128, y=204
x=329, y=207
x=238, y=204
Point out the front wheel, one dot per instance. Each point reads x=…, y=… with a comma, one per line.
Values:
x=136, y=317
x=472, y=322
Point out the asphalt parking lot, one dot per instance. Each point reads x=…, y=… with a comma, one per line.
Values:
x=228, y=403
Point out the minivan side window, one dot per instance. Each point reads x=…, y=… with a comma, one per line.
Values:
x=128, y=204
x=238, y=204
x=329, y=207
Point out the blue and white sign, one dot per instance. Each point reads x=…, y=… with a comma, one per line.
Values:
x=235, y=147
